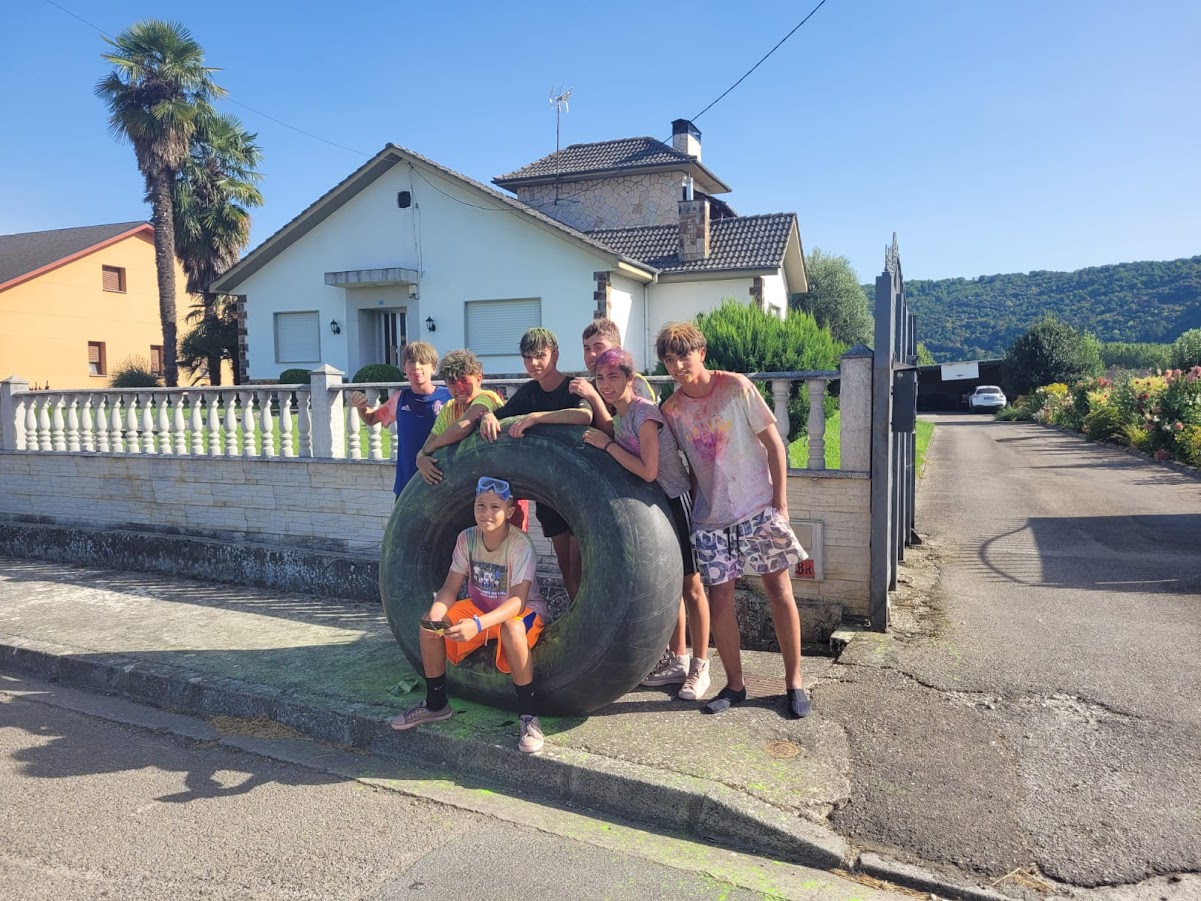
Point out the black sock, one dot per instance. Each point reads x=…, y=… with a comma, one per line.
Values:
x=435, y=692
x=525, y=699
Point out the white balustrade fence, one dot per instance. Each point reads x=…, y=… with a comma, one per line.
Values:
x=318, y=420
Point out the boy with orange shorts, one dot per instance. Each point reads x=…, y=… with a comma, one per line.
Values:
x=503, y=605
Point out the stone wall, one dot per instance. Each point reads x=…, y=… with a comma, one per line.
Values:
x=625, y=202
x=315, y=526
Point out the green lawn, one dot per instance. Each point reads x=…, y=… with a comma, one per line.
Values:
x=925, y=431
x=798, y=450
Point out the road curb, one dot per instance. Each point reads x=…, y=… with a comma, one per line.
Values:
x=565, y=777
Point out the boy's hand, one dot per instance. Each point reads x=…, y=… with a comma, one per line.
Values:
x=463, y=630
x=517, y=429
x=358, y=400
x=489, y=427
x=429, y=470
x=584, y=388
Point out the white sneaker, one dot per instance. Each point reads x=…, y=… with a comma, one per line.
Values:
x=670, y=670
x=531, y=735
x=697, y=682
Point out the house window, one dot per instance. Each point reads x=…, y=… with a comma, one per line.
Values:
x=156, y=359
x=495, y=327
x=96, y=361
x=297, y=337
x=114, y=278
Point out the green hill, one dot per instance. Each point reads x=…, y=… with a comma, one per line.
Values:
x=973, y=319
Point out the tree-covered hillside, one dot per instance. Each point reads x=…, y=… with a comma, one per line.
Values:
x=973, y=319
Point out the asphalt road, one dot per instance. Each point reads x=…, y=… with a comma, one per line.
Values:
x=102, y=798
x=1041, y=712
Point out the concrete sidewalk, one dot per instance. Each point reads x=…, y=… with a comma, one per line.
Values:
x=747, y=779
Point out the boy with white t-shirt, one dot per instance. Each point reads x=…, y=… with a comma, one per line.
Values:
x=503, y=605
x=740, y=510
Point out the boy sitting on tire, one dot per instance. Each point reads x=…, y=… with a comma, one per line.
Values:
x=503, y=605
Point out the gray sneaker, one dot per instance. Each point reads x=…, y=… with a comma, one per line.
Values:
x=697, y=682
x=415, y=716
x=670, y=670
x=531, y=734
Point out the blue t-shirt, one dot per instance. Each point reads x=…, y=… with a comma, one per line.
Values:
x=415, y=415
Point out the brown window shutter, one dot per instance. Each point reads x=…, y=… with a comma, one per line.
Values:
x=156, y=359
x=94, y=353
x=114, y=278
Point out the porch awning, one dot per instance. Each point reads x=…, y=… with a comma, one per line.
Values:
x=371, y=278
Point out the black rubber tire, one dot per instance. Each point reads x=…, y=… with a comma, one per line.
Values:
x=621, y=619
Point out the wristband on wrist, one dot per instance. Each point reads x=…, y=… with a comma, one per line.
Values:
x=478, y=625
x=609, y=445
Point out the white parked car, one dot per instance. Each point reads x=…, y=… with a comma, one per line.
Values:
x=986, y=397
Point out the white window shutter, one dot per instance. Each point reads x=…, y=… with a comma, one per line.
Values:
x=297, y=338
x=495, y=327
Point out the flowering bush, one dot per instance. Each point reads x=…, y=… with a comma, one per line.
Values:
x=1158, y=414
x=1050, y=403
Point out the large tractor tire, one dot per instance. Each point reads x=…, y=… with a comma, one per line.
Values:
x=617, y=627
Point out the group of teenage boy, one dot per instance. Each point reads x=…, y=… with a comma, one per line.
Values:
x=712, y=447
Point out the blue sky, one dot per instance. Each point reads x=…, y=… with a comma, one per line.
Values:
x=992, y=137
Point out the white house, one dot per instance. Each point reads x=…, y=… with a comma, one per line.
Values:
x=406, y=249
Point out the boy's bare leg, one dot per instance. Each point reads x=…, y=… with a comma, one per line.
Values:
x=565, y=545
x=725, y=632
x=678, y=644
x=698, y=617
x=788, y=624
x=433, y=645
x=517, y=652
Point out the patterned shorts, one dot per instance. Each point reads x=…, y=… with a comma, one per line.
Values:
x=762, y=544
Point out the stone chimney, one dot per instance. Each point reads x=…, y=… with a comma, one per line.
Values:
x=686, y=138
x=694, y=226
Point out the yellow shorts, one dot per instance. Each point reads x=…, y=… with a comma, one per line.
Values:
x=457, y=651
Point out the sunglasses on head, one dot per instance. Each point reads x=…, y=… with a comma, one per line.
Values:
x=499, y=487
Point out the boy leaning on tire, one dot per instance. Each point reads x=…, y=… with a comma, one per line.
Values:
x=740, y=512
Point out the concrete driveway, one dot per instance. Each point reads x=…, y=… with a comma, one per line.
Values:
x=1036, y=709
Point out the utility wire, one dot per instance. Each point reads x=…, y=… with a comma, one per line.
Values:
x=758, y=64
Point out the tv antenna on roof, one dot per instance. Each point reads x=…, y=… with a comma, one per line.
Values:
x=558, y=99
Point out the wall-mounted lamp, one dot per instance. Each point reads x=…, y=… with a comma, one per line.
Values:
x=430, y=325
x=334, y=327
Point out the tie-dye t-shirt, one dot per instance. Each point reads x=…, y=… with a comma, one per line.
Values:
x=719, y=435
x=490, y=573
x=673, y=477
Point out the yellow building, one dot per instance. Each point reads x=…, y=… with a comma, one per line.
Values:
x=76, y=303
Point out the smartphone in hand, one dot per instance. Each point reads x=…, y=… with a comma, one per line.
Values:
x=431, y=626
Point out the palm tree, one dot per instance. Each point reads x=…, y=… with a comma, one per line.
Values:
x=157, y=89
x=215, y=185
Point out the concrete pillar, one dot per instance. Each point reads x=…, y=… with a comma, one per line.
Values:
x=329, y=420
x=12, y=414
x=855, y=409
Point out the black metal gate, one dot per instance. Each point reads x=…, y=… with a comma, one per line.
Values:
x=894, y=420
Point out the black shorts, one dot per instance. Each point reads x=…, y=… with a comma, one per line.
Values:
x=681, y=515
x=553, y=525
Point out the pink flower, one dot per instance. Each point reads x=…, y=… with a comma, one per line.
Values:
x=1179, y=426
